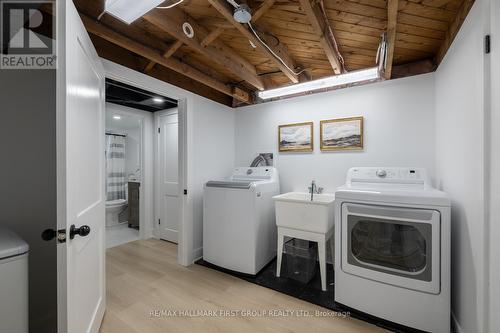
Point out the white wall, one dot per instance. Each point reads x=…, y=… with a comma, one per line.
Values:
x=398, y=121
x=460, y=165
x=214, y=154
x=133, y=151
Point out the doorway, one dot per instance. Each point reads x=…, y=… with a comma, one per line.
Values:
x=185, y=107
x=131, y=154
x=124, y=169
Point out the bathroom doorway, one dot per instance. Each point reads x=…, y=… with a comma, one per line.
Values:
x=185, y=103
x=124, y=168
x=130, y=157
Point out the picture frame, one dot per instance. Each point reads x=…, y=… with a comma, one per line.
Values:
x=296, y=137
x=342, y=134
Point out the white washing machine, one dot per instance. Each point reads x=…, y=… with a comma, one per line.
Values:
x=13, y=282
x=392, y=247
x=239, y=229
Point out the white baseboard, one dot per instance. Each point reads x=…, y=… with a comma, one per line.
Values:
x=455, y=326
x=197, y=254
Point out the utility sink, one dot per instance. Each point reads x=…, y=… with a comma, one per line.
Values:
x=296, y=210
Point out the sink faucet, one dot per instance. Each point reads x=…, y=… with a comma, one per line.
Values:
x=313, y=189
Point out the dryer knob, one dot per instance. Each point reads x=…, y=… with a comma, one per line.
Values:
x=381, y=173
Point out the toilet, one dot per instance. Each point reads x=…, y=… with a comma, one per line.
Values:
x=113, y=209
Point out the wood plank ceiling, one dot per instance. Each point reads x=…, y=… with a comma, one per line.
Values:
x=221, y=63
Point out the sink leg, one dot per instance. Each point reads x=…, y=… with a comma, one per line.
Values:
x=322, y=262
x=279, y=252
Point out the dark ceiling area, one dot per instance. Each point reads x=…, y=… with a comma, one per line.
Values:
x=127, y=95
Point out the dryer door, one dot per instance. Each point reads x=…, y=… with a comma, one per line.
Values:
x=394, y=245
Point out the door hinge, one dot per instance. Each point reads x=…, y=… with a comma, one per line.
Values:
x=159, y=130
x=487, y=44
x=185, y=192
x=159, y=221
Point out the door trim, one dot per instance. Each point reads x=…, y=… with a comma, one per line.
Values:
x=62, y=283
x=185, y=250
x=492, y=266
x=157, y=175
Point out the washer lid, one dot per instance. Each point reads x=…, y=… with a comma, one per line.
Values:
x=11, y=244
x=230, y=184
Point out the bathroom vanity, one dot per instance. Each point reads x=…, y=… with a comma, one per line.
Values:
x=133, y=204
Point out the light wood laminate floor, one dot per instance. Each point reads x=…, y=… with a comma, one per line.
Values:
x=144, y=277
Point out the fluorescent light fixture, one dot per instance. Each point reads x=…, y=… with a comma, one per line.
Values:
x=158, y=100
x=117, y=117
x=327, y=82
x=130, y=10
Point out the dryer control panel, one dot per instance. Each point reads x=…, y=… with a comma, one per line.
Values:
x=389, y=175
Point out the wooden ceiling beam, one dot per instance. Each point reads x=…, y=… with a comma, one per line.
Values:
x=222, y=25
x=242, y=95
x=112, y=36
x=119, y=55
x=168, y=53
x=320, y=27
x=392, y=20
x=213, y=35
x=171, y=21
x=413, y=68
x=227, y=12
x=453, y=30
x=215, y=22
x=262, y=9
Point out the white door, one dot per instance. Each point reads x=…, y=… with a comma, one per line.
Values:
x=168, y=204
x=80, y=168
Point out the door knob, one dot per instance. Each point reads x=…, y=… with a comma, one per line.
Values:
x=83, y=231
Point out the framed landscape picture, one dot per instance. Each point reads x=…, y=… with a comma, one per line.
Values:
x=295, y=137
x=342, y=134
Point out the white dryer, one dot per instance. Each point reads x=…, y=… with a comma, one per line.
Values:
x=392, y=247
x=239, y=229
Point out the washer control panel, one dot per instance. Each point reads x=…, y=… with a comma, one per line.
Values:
x=253, y=173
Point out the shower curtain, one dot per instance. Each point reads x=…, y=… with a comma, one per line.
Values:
x=115, y=167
